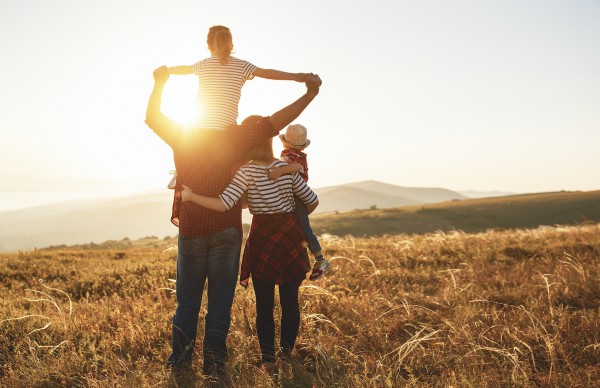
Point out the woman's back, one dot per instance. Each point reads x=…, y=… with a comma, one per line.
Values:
x=267, y=196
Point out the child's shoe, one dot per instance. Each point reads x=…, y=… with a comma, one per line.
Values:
x=319, y=268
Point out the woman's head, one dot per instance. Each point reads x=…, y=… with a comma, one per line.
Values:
x=220, y=42
x=264, y=151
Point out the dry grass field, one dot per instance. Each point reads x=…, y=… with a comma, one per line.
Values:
x=496, y=308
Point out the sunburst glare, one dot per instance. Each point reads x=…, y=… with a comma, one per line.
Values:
x=179, y=99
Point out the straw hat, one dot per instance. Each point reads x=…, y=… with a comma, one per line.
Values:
x=295, y=137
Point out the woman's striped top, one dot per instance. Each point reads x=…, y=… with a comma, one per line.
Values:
x=220, y=90
x=266, y=196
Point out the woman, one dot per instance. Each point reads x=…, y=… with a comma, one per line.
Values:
x=275, y=251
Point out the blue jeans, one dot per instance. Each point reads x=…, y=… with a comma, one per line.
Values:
x=302, y=213
x=216, y=258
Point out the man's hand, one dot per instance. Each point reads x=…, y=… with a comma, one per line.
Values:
x=313, y=83
x=284, y=116
x=161, y=74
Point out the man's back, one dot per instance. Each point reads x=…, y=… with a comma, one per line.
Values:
x=206, y=162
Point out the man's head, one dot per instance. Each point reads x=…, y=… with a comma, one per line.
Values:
x=252, y=119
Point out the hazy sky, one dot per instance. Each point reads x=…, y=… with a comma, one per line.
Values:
x=486, y=95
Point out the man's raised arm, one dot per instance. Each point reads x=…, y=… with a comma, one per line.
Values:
x=288, y=114
x=161, y=75
x=164, y=127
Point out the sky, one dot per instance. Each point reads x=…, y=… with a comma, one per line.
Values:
x=465, y=95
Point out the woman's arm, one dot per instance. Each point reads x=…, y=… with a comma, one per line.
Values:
x=181, y=70
x=228, y=198
x=212, y=203
x=305, y=193
x=244, y=201
x=311, y=208
x=284, y=170
x=279, y=75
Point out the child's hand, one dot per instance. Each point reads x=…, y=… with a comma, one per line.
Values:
x=186, y=193
x=275, y=173
x=161, y=74
x=300, y=77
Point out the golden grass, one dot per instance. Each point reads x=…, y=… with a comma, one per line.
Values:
x=498, y=308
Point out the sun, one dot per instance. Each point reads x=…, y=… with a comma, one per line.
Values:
x=179, y=99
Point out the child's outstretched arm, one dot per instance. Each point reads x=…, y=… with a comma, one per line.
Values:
x=212, y=203
x=279, y=75
x=181, y=70
x=284, y=170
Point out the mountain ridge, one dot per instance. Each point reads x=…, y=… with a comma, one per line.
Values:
x=148, y=214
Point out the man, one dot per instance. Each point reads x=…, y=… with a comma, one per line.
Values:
x=209, y=242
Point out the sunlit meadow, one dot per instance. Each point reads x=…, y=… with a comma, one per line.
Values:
x=498, y=308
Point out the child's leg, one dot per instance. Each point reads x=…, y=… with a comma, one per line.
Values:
x=321, y=265
x=313, y=243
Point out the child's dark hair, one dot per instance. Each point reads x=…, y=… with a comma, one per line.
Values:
x=220, y=42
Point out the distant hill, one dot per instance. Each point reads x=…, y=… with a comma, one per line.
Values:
x=148, y=214
x=345, y=198
x=348, y=196
x=415, y=211
x=484, y=194
x=85, y=221
x=472, y=215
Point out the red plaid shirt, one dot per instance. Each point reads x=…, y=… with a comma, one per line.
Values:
x=275, y=250
x=296, y=156
x=206, y=162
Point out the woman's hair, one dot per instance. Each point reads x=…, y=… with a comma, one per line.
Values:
x=220, y=42
x=263, y=151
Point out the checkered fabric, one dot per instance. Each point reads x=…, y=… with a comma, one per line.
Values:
x=296, y=156
x=275, y=250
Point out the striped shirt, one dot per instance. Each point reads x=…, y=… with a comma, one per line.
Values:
x=266, y=196
x=220, y=90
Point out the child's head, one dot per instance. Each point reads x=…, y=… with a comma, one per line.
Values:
x=295, y=137
x=220, y=42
